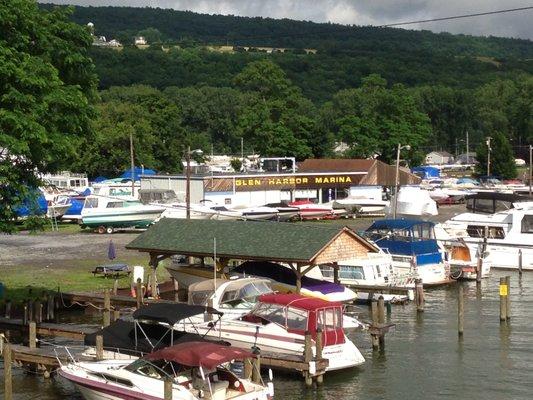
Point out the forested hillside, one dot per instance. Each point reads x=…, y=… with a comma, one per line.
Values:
x=370, y=88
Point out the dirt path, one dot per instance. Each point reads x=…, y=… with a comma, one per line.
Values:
x=59, y=249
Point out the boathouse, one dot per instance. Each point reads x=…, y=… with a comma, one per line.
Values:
x=301, y=246
x=320, y=180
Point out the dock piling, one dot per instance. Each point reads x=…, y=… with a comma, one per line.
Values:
x=308, y=355
x=25, y=315
x=374, y=310
x=168, y=388
x=381, y=310
x=38, y=311
x=107, y=308
x=99, y=347
x=419, y=295
x=248, y=365
x=508, y=298
x=503, y=299
x=256, y=367
x=115, y=287
x=32, y=336
x=460, y=311
x=520, y=262
x=318, y=356
x=8, y=383
x=139, y=293
x=8, y=309
x=30, y=311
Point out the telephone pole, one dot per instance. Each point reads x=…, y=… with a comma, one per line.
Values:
x=488, y=156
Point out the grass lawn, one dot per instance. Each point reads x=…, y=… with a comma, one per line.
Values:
x=18, y=280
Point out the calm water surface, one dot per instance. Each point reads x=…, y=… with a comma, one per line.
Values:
x=423, y=359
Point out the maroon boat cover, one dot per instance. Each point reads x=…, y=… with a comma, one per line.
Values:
x=199, y=354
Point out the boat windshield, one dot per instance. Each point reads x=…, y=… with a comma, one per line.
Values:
x=91, y=202
x=288, y=317
x=159, y=369
x=247, y=294
x=345, y=271
x=527, y=224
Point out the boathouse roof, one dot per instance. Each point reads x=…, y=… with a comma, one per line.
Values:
x=304, y=243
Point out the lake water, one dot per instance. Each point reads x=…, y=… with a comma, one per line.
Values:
x=423, y=359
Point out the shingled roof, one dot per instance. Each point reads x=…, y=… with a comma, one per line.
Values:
x=245, y=240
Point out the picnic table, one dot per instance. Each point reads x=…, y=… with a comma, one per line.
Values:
x=114, y=270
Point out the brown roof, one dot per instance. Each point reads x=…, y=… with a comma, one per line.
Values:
x=335, y=165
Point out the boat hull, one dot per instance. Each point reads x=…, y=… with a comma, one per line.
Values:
x=138, y=219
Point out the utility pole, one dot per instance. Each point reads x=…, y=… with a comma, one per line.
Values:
x=467, y=148
x=242, y=153
x=488, y=156
x=132, y=165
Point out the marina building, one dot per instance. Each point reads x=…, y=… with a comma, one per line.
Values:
x=319, y=180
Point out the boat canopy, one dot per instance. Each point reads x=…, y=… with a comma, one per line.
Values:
x=493, y=202
x=408, y=237
x=279, y=273
x=171, y=313
x=200, y=354
x=300, y=314
x=234, y=290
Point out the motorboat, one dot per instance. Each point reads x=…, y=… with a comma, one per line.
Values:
x=118, y=188
x=278, y=323
x=233, y=297
x=179, y=210
x=75, y=206
x=285, y=212
x=109, y=213
x=281, y=277
x=258, y=213
x=370, y=277
x=362, y=205
x=412, y=201
x=413, y=247
x=310, y=210
x=507, y=234
x=197, y=370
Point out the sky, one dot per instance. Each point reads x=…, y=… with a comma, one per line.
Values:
x=361, y=12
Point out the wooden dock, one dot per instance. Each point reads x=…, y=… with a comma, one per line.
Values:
x=68, y=331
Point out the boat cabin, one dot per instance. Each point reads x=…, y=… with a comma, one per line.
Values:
x=299, y=314
x=492, y=202
x=407, y=237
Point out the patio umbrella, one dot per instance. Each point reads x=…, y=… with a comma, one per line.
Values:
x=111, y=253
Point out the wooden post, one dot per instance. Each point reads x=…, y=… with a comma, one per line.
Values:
x=175, y=284
x=168, y=388
x=99, y=347
x=107, y=308
x=374, y=311
x=115, y=287
x=307, y=358
x=503, y=300
x=248, y=365
x=336, y=273
x=30, y=311
x=508, y=299
x=256, y=368
x=520, y=262
x=139, y=293
x=38, y=311
x=8, y=309
x=319, y=345
x=51, y=305
x=8, y=383
x=381, y=310
x=32, y=337
x=298, y=278
x=460, y=311
x=419, y=295
x=153, y=281
x=25, y=315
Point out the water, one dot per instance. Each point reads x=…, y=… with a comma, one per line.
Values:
x=423, y=359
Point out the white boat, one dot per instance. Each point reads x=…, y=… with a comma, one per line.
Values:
x=258, y=213
x=278, y=324
x=285, y=212
x=196, y=369
x=363, y=205
x=509, y=234
x=107, y=213
x=179, y=211
x=370, y=277
x=118, y=188
x=413, y=201
x=413, y=247
x=310, y=210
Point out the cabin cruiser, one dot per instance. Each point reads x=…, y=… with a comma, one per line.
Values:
x=369, y=277
x=118, y=188
x=278, y=323
x=196, y=369
x=413, y=201
x=508, y=232
x=258, y=213
x=413, y=247
x=108, y=213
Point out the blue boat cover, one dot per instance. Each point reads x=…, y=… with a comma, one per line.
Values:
x=99, y=179
x=34, y=204
x=426, y=172
x=402, y=223
x=137, y=172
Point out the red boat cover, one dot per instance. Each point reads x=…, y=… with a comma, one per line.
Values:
x=199, y=354
x=319, y=311
x=298, y=301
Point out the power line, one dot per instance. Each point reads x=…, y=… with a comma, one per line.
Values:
x=456, y=17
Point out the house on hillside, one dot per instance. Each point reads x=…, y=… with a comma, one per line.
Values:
x=439, y=158
x=466, y=158
x=140, y=41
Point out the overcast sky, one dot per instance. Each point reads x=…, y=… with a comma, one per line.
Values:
x=361, y=12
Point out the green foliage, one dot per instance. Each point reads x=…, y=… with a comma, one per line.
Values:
x=47, y=81
x=152, y=35
x=502, y=160
x=236, y=164
x=34, y=223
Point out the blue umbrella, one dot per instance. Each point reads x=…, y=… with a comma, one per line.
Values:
x=111, y=253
